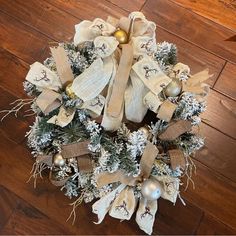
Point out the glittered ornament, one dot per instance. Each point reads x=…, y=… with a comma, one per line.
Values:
x=145, y=131
x=58, y=160
x=70, y=93
x=173, y=89
x=121, y=36
x=151, y=189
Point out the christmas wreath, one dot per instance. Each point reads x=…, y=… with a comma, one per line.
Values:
x=90, y=100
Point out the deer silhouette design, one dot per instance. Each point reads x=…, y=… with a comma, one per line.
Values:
x=147, y=213
x=123, y=206
x=43, y=76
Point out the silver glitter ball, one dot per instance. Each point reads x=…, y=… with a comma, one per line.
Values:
x=58, y=160
x=151, y=189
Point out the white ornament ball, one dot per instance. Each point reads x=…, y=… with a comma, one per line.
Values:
x=151, y=189
x=58, y=160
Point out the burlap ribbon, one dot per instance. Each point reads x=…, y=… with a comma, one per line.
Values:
x=77, y=150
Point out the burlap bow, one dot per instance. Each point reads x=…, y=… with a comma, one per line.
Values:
x=129, y=81
x=77, y=150
x=121, y=203
x=51, y=84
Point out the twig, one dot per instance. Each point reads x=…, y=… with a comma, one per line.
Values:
x=74, y=205
x=15, y=109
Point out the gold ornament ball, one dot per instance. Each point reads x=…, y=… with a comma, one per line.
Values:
x=58, y=160
x=145, y=131
x=121, y=36
x=173, y=89
x=70, y=92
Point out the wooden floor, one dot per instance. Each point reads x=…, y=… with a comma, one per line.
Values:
x=205, y=33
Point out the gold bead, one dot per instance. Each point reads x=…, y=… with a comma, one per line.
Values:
x=70, y=92
x=121, y=36
x=145, y=131
x=173, y=89
x=58, y=160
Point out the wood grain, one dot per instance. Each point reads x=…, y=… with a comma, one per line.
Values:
x=21, y=40
x=12, y=73
x=8, y=203
x=213, y=193
x=169, y=219
x=27, y=220
x=216, y=156
x=219, y=11
x=58, y=25
x=227, y=81
x=210, y=226
x=89, y=10
x=220, y=113
x=192, y=27
x=134, y=5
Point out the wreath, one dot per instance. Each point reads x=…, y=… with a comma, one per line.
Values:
x=90, y=100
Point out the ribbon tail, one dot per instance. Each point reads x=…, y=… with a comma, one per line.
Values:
x=116, y=100
x=124, y=205
x=108, y=122
x=145, y=215
x=93, y=80
x=134, y=96
x=102, y=206
x=63, y=67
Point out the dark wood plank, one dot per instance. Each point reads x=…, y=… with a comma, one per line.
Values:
x=192, y=27
x=134, y=5
x=12, y=73
x=210, y=226
x=176, y=219
x=197, y=58
x=43, y=17
x=88, y=10
x=220, y=113
x=27, y=220
x=214, y=194
x=21, y=40
x=8, y=203
x=222, y=12
x=218, y=157
x=227, y=81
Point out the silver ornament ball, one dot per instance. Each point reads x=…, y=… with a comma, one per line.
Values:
x=58, y=160
x=173, y=89
x=151, y=189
